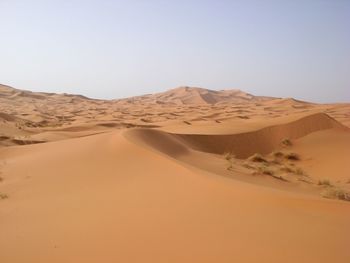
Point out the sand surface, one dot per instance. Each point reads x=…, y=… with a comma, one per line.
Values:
x=188, y=175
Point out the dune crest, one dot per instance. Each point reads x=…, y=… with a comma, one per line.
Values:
x=242, y=145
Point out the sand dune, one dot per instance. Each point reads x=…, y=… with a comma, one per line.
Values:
x=243, y=145
x=108, y=208
x=190, y=95
x=173, y=177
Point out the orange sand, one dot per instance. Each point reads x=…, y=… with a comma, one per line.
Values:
x=165, y=178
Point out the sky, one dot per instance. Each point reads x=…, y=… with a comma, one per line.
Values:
x=115, y=49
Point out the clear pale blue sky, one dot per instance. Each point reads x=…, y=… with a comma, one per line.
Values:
x=112, y=49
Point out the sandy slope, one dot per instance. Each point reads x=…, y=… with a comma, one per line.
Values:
x=110, y=200
x=321, y=144
x=149, y=179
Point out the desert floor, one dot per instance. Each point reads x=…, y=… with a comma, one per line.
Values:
x=188, y=175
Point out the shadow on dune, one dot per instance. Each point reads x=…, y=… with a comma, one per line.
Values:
x=242, y=145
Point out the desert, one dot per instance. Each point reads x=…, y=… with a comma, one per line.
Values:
x=152, y=131
x=186, y=175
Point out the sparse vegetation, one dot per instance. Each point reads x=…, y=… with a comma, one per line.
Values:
x=324, y=182
x=292, y=156
x=3, y=196
x=279, y=177
x=336, y=193
x=257, y=158
x=247, y=165
x=308, y=181
x=293, y=170
x=277, y=164
x=299, y=171
x=229, y=156
x=277, y=154
x=287, y=169
x=265, y=170
x=286, y=142
x=277, y=157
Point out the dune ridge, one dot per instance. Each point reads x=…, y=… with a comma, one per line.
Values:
x=242, y=145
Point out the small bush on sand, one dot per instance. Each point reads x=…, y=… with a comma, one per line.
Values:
x=3, y=196
x=293, y=170
x=257, y=158
x=277, y=154
x=292, y=156
x=324, y=182
x=286, y=142
x=248, y=166
x=265, y=170
x=299, y=171
x=228, y=156
x=336, y=193
x=287, y=169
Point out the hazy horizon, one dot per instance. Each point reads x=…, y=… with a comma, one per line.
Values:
x=118, y=49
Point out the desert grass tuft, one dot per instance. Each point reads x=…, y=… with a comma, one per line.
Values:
x=229, y=156
x=247, y=165
x=265, y=170
x=277, y=154
x=336, y=193
x=292, y=156
x=286, y=142
x=287, y=169
x=299, y=171
x=324, y=182
x=3, y=196
x=293, y=170
x=257, y=158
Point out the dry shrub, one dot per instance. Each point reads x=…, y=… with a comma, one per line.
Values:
x=257, y=158
x=292, y=169
x=286, y=142
x=324, y=182
x=287, y=169
x=247, y=165
x=292, y=156
x=299, y=171
x=3, y=196
x=277, y=154
x=336, y=193
x=229, y=156
x=265, y=170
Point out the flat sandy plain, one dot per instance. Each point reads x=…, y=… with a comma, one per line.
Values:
x=188, y=175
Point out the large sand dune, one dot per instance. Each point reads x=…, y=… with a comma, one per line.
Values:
x=243, y=145
x=169, y=177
